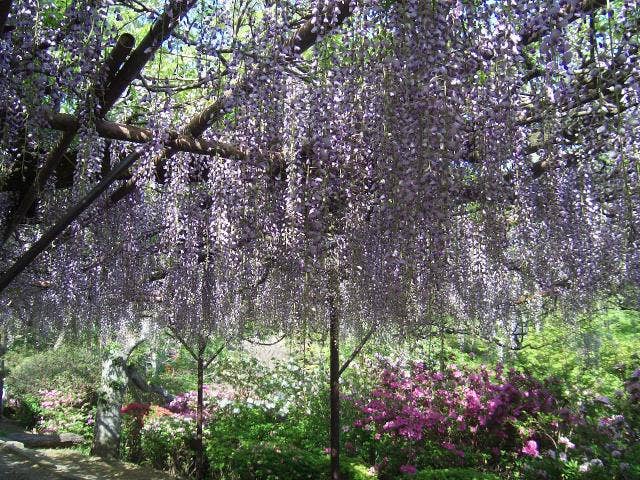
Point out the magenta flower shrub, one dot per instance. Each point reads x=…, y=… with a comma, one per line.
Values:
x=50, y=399
x=457, y=410
x=597, y=441
x=531, y=448
x=62, y=411
x=185, y=404
x=214, y=398
x=455, y=407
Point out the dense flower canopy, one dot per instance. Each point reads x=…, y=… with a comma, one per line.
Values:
x=448, y=159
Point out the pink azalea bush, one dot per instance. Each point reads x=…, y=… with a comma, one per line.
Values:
x=531, y=448
x=214, y=397
x=64, y=412
x=457, y=409
x=166, y=434
x=50, y=399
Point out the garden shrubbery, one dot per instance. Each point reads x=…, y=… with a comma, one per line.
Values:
x=401, y=418
x=497, y=420
x=457, y=409
x=274, y=462
x=454, y=474
x=69, y=368
x=69, y=407
x=414, y=422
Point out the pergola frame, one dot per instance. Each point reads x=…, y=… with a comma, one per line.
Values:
x=125, y=64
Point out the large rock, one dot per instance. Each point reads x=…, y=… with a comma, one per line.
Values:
x=57, y=440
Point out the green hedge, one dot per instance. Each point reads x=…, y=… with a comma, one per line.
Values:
x=270, y=462
x=70, y=368
x=453, y=474
x=267, y=461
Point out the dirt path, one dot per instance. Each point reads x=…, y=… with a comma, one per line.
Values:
x=16, y=467
x=19, y=463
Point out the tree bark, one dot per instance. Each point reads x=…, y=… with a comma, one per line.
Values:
x=108, y=421
x=1, y=386
x=137, y=380
x=334, y=381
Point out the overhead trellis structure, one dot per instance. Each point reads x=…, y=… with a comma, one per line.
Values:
x=124, y=64
x=121, y=68
x=415, y=162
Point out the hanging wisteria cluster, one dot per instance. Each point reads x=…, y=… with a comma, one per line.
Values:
x=439, y=161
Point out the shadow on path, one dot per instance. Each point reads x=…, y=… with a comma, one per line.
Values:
x=19, y=463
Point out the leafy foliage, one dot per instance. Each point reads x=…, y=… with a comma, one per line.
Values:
x=453, y=474
x=71, y=368
x=596, y=356
x=271, y=462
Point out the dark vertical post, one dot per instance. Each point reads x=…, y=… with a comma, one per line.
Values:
x=200, y=417
x=3, y=350
x=442, y=358
x=334, y=380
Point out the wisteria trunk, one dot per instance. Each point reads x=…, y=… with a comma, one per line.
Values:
x=334, y=385
x=199, y=418
x=108, y=422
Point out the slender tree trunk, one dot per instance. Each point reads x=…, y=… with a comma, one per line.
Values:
x=199, y=418
x=442, y=353
x=334, y=382
x=108, y=421
x=1, y=387
x=3, y=350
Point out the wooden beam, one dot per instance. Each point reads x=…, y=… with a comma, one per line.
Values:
x=131, y=133
x=303, y=39
x=119, y=53
x=112, y=63
x=159, y=31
